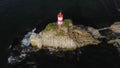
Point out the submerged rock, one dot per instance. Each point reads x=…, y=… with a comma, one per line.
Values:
x=67, y=37
x=114, y=41
x=115, y=28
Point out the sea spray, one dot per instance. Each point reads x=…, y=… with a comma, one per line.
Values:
x=26, y=40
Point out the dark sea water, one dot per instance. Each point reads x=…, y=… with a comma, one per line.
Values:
x=17, y=17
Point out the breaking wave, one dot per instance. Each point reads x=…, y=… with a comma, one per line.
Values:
x=26, y=39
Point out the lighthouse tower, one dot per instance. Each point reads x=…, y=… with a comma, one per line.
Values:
x=60, y=19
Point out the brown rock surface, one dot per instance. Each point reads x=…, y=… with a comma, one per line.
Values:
x=69, y=37
x=115, y=27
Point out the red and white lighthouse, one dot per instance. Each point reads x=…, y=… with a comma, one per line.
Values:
x=60, y=19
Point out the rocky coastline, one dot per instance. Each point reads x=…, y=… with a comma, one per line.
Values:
x=67, y=41
x=68, y=37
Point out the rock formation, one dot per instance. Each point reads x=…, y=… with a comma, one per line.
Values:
x=68, y=37
x=94, y=32
x=115, y=28
x=64, y=41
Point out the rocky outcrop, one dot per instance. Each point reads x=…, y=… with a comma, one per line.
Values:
x=63, y=41
x=115, y=27
x=94, y=32
x=67, y=37
x=57, y=40
x=35, y=41
x=114, y=41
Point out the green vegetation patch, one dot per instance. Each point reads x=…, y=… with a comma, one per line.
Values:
x=67, y=22
x=53, y=26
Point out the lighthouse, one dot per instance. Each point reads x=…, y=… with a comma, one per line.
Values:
x=60, y=19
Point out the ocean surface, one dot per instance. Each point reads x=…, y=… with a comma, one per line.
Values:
x=17, y=17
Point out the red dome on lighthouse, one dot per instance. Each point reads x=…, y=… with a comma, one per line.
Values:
x=60, y=14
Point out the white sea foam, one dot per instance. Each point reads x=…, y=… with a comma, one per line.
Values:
x=26, y=39
x=11, y=59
